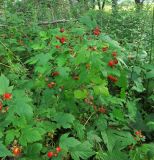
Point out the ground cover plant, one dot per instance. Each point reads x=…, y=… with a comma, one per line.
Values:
x=79, y=90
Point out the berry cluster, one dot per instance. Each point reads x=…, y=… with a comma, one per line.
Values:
x=97, y=31
x=114, y=61
x=54, y=154
x=51, y=84
x=112, y=78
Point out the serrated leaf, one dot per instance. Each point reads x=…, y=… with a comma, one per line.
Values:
x=93, y=137
x=150, y=74
x=35, y=149
x=132, y=110
x=80, y=94
x=80, y=129
x=118, y=114
x=82, y=151
x=68, y=142
x=10, y=135
x=64, y=120
x=22, y=104
x=29, y=135
x=4, y=151
x=101, y=89
x=4, y=83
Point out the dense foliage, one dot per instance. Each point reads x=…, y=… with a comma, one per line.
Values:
x=80, y=90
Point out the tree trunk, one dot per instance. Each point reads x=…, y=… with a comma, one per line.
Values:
x=99, y=4
x=139, y=4
x=114, y=6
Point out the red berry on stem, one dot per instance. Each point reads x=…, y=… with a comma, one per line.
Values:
x=1, y=106
x=104, y=49
x=115, y=61
x=58, y=149
x=102, y=110
x=96, y=31
x=57, y=47
x=62, y=30
x=50, y=154
x=62, y=40
x=55, y=74
x=111, y=63
x=114, y=54
x=55, y=154
x=16, y=151
x=112, y=78
x=50, y=85
x=7, y=96
x=57, y=37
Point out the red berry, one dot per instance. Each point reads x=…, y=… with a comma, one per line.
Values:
x=7, y=96
x=115, y=61
x=111, y=63
x=6, y=108
x=62, y=30
x=138, y=133
x=1, y=106
x=55, y=154
x=16, y=151
x=96, y=31
x=58, y=149
x=57, y=47
x=112, y=78
x=55, y=74
x=50, y=154
x=104, y=49
x=102, y=110
x=114, y=54
x=50, y=85
x=62, y=40
x=57, y=37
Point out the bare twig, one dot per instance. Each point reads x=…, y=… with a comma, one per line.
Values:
x=54, y=22
x=89, y=118
x=46, y=22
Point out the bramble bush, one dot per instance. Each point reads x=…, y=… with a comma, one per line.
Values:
x=64, y=94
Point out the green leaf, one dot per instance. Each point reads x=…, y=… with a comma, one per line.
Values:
x=117, y=139
x=80, y=94
x=68, y=142
x=22, y=104
x=35, y=149
x=101, y=89
x=150, y=74
x=64, y=71
x=93, y=137
x=132, y=110
x=4, y=83
x=109, y=139
x=82, y=151
x=10, y=135
x=79, y=128
x=29, y=135
x=64, y=120
x=118, y=114
x=4, y=151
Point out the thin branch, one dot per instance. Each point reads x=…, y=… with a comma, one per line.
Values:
x=54, y=22
x=46, y=22
x=89, y=118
